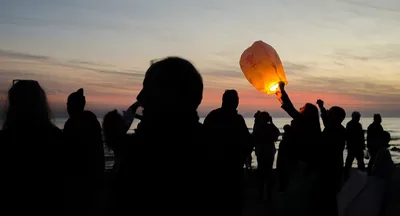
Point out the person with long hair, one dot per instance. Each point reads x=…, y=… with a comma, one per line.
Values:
x=265, y=134
x=306, y=128
x=86, y=164
x=32, y=151
x=306, y=137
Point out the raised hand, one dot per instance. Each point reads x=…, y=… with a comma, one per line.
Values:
x=279, y=96
x=135, y=105
x=320, y=103
x=281, y=86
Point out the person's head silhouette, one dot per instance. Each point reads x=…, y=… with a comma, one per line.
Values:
x=356, y=116
x=310, y=112
x=287, y=128
x=113, y=129
x=172, y=85
x=336, y=115
x=76, y=102
x=377, y=118
x=263, y=118
x=230, y=99
x=27, y=104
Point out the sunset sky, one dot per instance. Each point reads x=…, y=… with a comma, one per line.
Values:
x=346, y=52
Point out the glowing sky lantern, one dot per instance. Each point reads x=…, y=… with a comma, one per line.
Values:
x=262, y=67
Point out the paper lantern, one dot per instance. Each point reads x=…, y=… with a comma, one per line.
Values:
x=262, y=67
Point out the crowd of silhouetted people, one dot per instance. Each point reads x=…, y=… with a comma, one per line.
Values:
x=172, y=164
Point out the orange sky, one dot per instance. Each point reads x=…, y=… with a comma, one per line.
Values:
x=345, y=52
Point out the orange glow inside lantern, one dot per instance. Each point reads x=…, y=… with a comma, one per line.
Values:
x=262, y=67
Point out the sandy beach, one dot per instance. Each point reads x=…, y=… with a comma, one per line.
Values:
x=255, y=207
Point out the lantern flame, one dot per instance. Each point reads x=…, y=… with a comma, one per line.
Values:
x=274, y=87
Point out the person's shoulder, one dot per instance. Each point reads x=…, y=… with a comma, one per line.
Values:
x=89, y=113
x=239, y=116
x=54, y=129
x=213, y=114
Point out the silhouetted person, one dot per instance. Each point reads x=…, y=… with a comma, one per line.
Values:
x=174, y=180
x=76, y=103
x=374, y=143
x=32, y=153
x=306, y=129
x=355, y=143
x=383, y=163
x=334, y=138
x=265, y=134
x=115, y=135
x=306, y=136
x=285, y=164
x=228, y=138
x=84, y=143
x=115, y=128
x=383, y=169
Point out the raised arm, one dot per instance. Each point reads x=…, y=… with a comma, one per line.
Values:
x=324, y=113
x=287, y=105
x=130, y=114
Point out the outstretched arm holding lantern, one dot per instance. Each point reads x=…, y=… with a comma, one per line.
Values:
x=287, y=105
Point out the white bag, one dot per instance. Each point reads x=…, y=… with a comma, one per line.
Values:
x=361, y=195
x=364, y=195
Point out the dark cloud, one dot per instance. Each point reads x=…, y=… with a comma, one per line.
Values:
x=74, y=64
x=353, y=86
x=291, y=67
x=7, y=76
x=395, y=9
x=347, y=55
x=235, y=72
x=385, y=52
x=223, y=73
x=23, y=56
x=338, y=63
x=131, y=74
x=89, y=63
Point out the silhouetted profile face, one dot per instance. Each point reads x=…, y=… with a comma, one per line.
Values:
x=377, y=118
x=230, y=99
x=171, y=85
x=27, y=102
x=76, y=102
x=356, y=116
x=336, y=115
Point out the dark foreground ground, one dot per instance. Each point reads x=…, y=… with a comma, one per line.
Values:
x=256, y=207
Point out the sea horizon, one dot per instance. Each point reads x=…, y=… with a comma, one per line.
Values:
x=392, y=125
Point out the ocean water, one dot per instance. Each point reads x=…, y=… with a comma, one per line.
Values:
x=392, y=125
